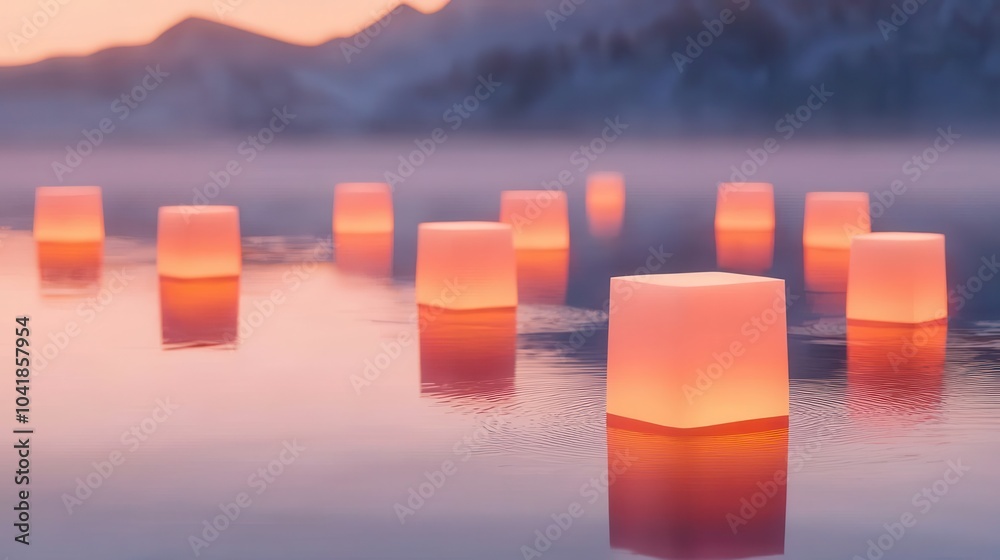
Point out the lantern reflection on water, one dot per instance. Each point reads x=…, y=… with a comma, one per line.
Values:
x=697, y=496
x=199, y=312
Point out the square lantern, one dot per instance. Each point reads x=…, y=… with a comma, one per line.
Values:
x=698, y=350
x=605, y=204
x=198, y=242
x=833, y=218
x=540, y=219
x=69, y=215
x=745, y=207
x=897, y=278
x=362, y=208
x=466, y=265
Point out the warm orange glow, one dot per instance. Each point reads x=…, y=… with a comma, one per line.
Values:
x=745, y=251
x=697, y=350
x=826, y=269
x=199, y=312
x=897, y=278
x=466, y=265
x=745, y=206
x=69, y=215
x=365, y=254
x=198, y=242
x=698, y=496
x=362, y=208
x=833, y=218
x=895, y=371
x=76, y=29
x=605, y=204
x=540, y=219
x=467, y=353
x=542, y=276
x=69, y=266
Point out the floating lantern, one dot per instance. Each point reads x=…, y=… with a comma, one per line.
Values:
x=362, y=208
x=897, y=278
x=540, y=219
x=698, y=496
x=365, y=254
x=605, y=204
x=745, y=207
x=826, y=269
x=467, y=354
x=833, y=218
x=466, y=265
x=542, y=276
x=748, y=252
x=199, y=312
x=895, y=373
x=70, y=266
x=198, y=242
x=698, y=350
x=69, y=215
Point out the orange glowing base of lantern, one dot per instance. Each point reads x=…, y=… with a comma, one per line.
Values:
x=201, y=312
x=698, y=496
x=70, y=266
x=744, y=251
x=833, y=218
x=467, y=354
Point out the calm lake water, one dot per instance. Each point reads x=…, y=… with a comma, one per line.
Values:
x=484, y=440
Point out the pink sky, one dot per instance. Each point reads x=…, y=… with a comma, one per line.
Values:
x=76, y=27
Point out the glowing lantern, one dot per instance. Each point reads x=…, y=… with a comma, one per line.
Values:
x=466, y=265
x=826, y=269
x=749, y=252
x=605, y=204
x=833, y=218
x=542, y=276
x=467, y=354
x=69, y=215
x=698, y=350
x=895, y=373
x=199, y=312
x=540, y=219
x=897, y=278
x=696, y=496
x=745, y=207
x=198, y=242
x=362, y=208
x=365, y=254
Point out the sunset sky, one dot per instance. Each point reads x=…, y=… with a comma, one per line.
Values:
x=84, y=26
